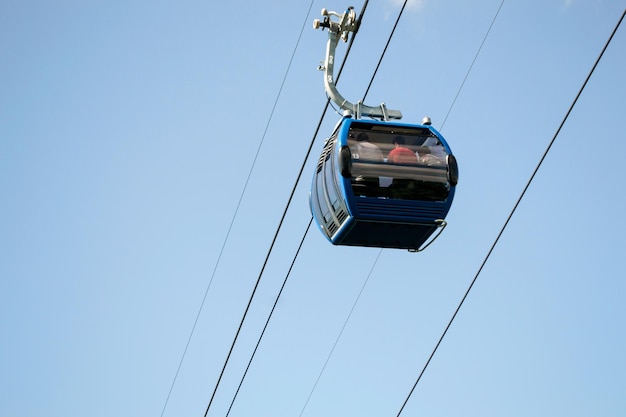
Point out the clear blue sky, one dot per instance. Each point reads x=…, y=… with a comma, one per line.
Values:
x=127, y=133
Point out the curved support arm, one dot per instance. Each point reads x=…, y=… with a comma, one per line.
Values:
x=337, y=30
x=441, y=224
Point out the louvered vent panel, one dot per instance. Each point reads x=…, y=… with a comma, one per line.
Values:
x=389, y=208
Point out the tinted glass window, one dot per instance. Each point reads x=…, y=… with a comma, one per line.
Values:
x=405, y=164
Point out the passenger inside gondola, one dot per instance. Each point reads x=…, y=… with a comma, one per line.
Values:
x=415, y=167
x=365, y=151
x=400, y=154
x=431, y=153
x=402, y=188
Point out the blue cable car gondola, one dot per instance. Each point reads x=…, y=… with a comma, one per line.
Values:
x=382, y=184
x=379, y=183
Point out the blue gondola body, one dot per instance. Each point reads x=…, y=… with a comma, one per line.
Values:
x=361, y=196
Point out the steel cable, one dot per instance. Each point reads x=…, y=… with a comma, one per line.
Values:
x=288, y=204
x=534, y=173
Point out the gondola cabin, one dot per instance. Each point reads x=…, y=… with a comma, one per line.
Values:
x=383, y=184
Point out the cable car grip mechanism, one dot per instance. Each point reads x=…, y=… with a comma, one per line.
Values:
x=340, y=29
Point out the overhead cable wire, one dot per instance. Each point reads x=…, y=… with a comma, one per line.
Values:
x=534, y=173
x=273, y=241
x=345, y=323
x=382, y=55
x=245, y=187
x=472, y=64
x=267, y=322
x=287, y=205
x=381, y=250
